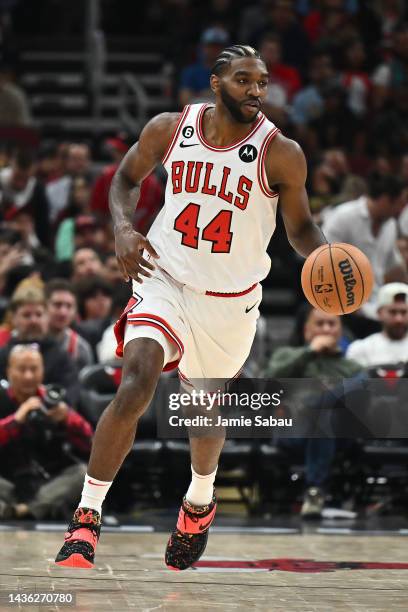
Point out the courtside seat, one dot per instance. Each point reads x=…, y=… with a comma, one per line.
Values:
x=279, y=476
x=141, y=473
x=99, y=384
x=177, y=469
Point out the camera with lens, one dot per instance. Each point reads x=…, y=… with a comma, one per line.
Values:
x=54, y=394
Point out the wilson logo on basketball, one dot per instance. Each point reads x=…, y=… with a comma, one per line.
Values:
x=349, y=281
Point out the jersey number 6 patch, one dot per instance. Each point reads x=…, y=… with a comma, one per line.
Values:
x=218, y=230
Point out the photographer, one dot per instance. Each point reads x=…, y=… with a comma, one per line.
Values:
x=43, y=442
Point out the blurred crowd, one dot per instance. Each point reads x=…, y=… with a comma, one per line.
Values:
x=338, y=85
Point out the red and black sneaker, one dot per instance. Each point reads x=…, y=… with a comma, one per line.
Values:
x=81, y=539
x=188, y=541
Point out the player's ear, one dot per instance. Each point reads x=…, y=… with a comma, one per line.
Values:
x=214, y=83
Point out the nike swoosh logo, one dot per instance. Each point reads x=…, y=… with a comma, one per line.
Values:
x=248, y=309
x=96, y=484
x=204, y=527
x=183, y=145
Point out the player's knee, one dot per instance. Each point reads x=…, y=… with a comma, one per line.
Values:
x=134, y=395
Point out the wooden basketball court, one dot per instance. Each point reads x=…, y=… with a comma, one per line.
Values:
x=260, y=569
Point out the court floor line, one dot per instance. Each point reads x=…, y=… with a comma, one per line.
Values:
x=370, y=588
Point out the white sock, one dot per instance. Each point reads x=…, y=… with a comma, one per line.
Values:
x=93, y=493
x=201, y=489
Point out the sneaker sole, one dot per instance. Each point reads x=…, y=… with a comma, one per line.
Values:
x=75, y=560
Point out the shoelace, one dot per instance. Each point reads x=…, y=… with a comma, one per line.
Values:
x=72, y=527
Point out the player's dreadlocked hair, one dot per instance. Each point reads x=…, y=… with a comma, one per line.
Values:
x=230, y=53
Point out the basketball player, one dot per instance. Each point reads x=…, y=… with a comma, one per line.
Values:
x=195, y=276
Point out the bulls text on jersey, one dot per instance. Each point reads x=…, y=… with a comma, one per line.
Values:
x=195, y=176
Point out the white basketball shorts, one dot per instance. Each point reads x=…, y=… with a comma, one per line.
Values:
x=205, y=335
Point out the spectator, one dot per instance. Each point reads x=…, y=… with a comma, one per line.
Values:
x=117, y=148
x=224, y=13
x=43, y=443
x=280, y=17
x=281, y=74
x=320, y=358
x=284, y=80
x=402, y=244
x=150, y=202
x=86, y=262
x=11, y=253
x=252, y=19
x=390, y=13
x=14, y=110
x=83, y=231
x=369, y=224
x=394, y=72
x=354, y=78
x=308, y=104
x=106, y=348
x=194, y=83
x=78, y=163
x=94, y=306
x=329, y=25
x=390, y=346
x=47, y=162
x=336, y=126
x=151, y=190
x=62, y=312
x=30, y=324
x=112, y=271
x=79, y=201
x=21, y=193
x=389, y=131
x=332, y=182
x=94, y=298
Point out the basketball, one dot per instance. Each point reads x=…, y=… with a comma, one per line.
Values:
x=337, y=278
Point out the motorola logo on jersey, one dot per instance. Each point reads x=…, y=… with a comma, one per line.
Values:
x=247, y=153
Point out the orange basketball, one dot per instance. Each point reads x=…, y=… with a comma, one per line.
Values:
x=337, y=278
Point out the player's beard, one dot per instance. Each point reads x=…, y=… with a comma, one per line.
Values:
x=234, y=107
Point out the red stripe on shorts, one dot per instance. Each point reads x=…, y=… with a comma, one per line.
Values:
x=228, y=295
x=158, y=323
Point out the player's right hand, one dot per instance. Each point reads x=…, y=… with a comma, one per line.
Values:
x=129, y=246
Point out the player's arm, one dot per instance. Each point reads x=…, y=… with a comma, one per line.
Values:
x=124, y=194
x=286, y=171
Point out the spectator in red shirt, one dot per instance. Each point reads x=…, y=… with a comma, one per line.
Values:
x=43, y=442
x=117, y=148
x=151, y=193
x=327, y=22
x=21, y=193
x=282, y=74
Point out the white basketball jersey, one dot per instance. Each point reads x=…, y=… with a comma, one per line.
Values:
x=219, y=213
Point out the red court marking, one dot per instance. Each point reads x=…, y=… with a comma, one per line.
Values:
x=304, y=566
